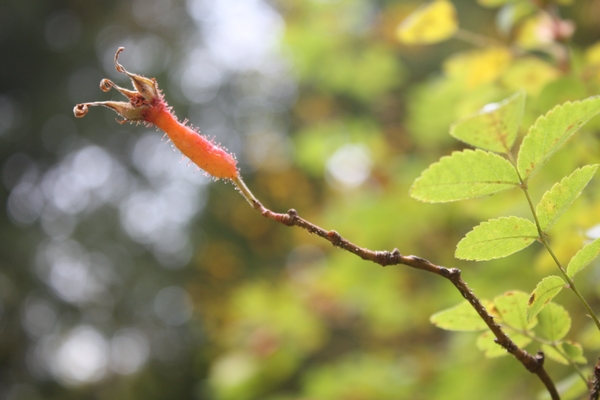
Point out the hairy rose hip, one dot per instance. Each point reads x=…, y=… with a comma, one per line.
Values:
x=147, y=104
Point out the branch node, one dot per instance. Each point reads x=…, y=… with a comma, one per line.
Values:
x=450, y=273
x=287, y=219
x=385, y=258
x=258, y=206
x=334, y=237
x=539, y=357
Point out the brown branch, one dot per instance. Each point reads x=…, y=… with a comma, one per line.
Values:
x=534, y=364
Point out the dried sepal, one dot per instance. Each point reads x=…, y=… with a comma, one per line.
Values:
x=147, y=105
x=146, y=87
x=128, y=111
x=145, y=95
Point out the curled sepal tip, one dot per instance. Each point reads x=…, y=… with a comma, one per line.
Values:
x=146, y=87
x=146, y=104
x=128, y=111
x=145, y=95
x=80, y=110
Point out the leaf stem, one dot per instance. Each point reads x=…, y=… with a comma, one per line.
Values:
x=244, y=191
x=572, y=284
x=572, y=364
x=544, y=241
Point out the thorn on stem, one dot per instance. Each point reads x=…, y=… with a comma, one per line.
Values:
x=540, y=357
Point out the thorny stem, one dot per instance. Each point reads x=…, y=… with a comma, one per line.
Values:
x=534, y=364
x=595, y=383
x=570, y=282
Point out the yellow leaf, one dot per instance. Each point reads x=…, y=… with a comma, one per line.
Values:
x=592, y=54
x=540, y=31
x=432, y=23
x=478, y=67
x=592, y=58
x=493, y=3
x=530, y=74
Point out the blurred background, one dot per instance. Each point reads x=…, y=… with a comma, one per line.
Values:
x=126, y=273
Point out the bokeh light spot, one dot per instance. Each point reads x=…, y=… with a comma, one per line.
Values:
x=173, y=305
x=350, y=165
x=81, y=357
x=38, y=316
x=9, y=114
x=62, y=30
x=129, y=351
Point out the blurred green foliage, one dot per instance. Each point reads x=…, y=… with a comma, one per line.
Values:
x=154, y=263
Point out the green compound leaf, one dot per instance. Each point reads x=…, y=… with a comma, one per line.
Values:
x=512, y=309
x=543, y=293
x=496, y=238
x=574, y=351
x=561, y=196
x=462, y=317
x=551, y=131
x=554, y=322
x=495, y=127
x=555, y=354
x=565, y=353
x=491, y=349
x=583, y=257
x=464, y=175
